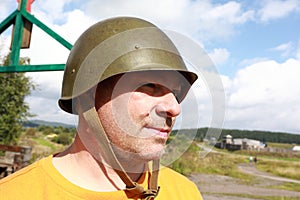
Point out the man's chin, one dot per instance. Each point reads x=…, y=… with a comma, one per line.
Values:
x=152, y=156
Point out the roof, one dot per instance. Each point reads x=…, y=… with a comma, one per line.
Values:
x=296, y=148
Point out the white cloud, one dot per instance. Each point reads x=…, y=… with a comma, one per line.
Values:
x=4, y=46
x=54, y=9
x=274, y=9
x=204, y=104
x=48, y=84
x=76, y=22
x=265, y=96
x=298, y=50
x=48, y=110
x=285, y=49
x=247, y=62
x=7, y=7
x=43, y=101
x=230, y=12
x=46, y=50
x=219, y=56
x=201, y=19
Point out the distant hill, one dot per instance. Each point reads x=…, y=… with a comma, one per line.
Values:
x=36, y=123
x=263, y=136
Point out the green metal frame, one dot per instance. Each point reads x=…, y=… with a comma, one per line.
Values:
x=17, y=18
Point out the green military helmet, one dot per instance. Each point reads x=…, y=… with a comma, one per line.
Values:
x=117, y=46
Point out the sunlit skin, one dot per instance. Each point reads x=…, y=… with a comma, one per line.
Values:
x=141, y=113
x=137, y=113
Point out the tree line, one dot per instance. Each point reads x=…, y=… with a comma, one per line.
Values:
x=263, y=136
x=14, y=112
x=13, y=109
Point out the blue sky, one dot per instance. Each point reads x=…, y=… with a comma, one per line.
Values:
x=255, y=46
x=260, y=39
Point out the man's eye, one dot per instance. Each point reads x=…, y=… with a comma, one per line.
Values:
x=149, y=88
x=150, y=85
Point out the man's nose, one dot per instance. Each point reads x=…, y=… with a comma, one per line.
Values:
x=168, y=106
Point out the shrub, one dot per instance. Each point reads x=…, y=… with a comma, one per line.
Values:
x=31, y=132
x=63, y=138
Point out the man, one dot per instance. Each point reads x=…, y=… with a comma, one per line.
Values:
x=125, y=79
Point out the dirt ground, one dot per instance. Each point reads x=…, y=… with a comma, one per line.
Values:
x=215, y=187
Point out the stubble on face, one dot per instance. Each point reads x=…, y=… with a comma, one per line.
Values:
x=125, y=114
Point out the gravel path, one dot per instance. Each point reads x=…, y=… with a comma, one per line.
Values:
x=215, y=187
x=251, y=169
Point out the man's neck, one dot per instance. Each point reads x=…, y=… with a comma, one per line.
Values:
x=82, y=168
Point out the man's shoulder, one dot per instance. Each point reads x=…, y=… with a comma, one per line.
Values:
x=166, y=172
x=24, y=174
x=177, y=186
x=171, y=177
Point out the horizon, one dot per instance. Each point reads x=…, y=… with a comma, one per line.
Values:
x=191, y=128
x=254, y=45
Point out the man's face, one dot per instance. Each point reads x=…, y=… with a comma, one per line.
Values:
x=139, y=112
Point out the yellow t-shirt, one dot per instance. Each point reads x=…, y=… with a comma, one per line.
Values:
x=42, y=181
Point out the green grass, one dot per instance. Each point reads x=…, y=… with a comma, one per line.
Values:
x=45, y=142
x=280, y=168
x=212, y=163
x=288, y=156
x=287, y=186
x=255, y=196
x=226, y=163
x=39, y=138
x=281, y=145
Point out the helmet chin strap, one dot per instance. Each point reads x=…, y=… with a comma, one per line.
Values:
x=93, y=121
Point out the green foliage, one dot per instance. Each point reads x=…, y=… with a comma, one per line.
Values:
x=279, y=155
x=212, y=163
x=288, y=186
x=46, y=130
x=31, y=132
x=63, y=138
x=65, y=135
x=254, y=196
x=264, y=136
x=187, y=162
x=283, y=168
x=13, y=109
x=44, y=142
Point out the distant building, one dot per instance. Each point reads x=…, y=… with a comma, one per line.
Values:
x=237, y=144
x=248, y=143
x=228, y=139
x=296, y=148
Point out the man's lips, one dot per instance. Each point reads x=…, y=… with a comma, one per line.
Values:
x=161, y=132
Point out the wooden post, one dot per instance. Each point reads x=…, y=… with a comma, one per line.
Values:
x=24, y=6
x=27, y=25
x=26, y=34
x=22, y=21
